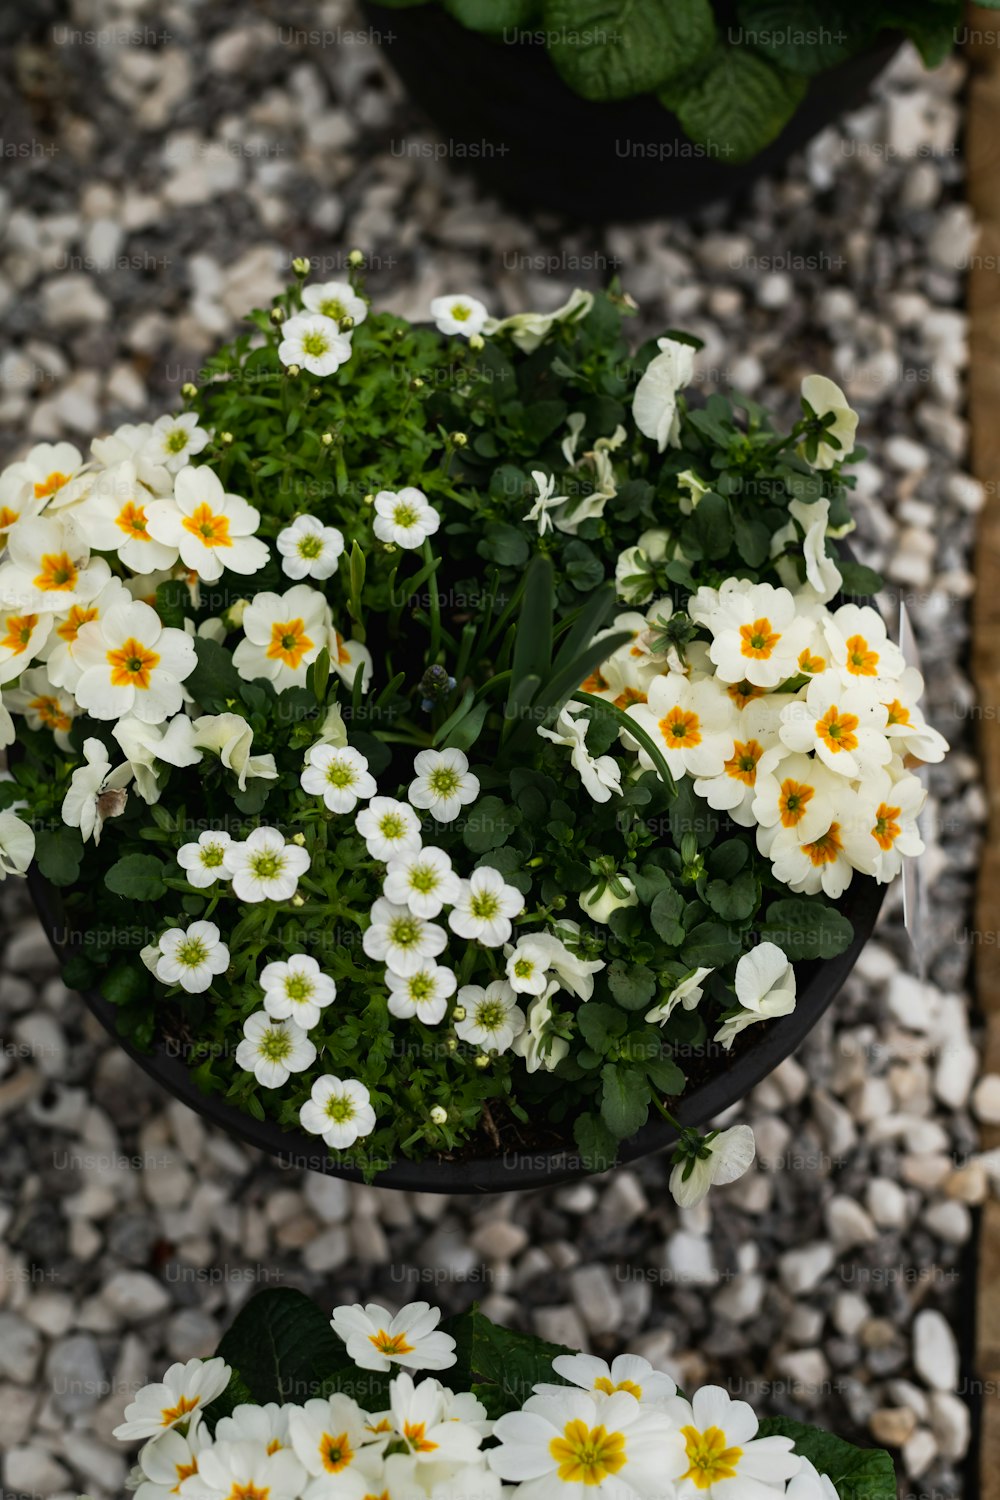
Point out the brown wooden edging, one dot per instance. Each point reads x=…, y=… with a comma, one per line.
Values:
x=983, y=189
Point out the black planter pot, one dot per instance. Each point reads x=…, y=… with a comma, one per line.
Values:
x=755, y=1054
x=503, y=111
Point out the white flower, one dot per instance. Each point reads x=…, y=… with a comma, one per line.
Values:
x=810, y=1484
x=528, y=963
x=46, y=476
x=339, y=775
x=284, y=634
x=22, y=637
x=212, y=530
x=795, y=791
x=884, y=827
x=539, y=1043
x=724, y=1460
x=267, y=1424
x=464, y=315
x=765, y=989
x=86, y=803
x=309, y=549
x=693, y=723
x=166, y=1461
x=823, y=577
x=404, y=517
x=601, y=775
x=332, y=1441
x=179, y=1399
x=265, y=867
x=17, y=844
x=545, y=501
x=147, y=747
x=230, y=737
x=528, y=330
x=44, y=706
x=339, y=1110
x=628, y=1372
x=245, y=1469
x=906, y=728
x=822, y=862
x=297, y=988
x=634, y=582
x=49, y=566
x=825, y=396
x=492, y=1016
x=484, y=905
x=60, y=648
x=756, y=635
x=859, y=643
x=191, y=958
x=401, y=940
x=389, y=828
x=423, y=994
x=116, y=516
x=443, y=785
x=203, y=861
x=128, y=444
x=335, y=300
x=348, y=658
x=130, y=663
x=423, y=880
x=756, y=745
x=575, y=1445
x=315, y=343
x=844, y=726
x=730, y=1154
x=654, y=405
x=272, y=1050
x=575, y=974
x=423, y=1417
x=687, y=992
x=693, y=490
x=376, y=1340
x=601, y=900
x=174, y=441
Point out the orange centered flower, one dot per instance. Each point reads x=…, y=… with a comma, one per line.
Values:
x=743, y=765
x=759, y=639
x=185, y=1405
x=78, y=615
x=595, y=683
x=743, y=693
x=58, y=573
x=184, y=1471
x=132, y=520
x=824, y=851
x=709, y=1459
x=132, y=664
x=587, y=1455
x=390, y=1343
x=50, y=713
x=898, y=712
x=343, y=655
x=248, y=1491
x=289, y=642
x=19, y=628
x=602, y=1383
x=274, y=1446
x=837, y=730
x=886, y=830
x=210, y=529
x=8, y=517
x=795, y=798
x=809, y=663
x=862, y=661
x=55, y=481
x=628, y=697
x=415, y=1434
x=335, y=1452
x=680, y=729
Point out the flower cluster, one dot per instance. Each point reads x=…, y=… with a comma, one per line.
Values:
x=587, y=1427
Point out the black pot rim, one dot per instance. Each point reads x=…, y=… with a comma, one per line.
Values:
x=750, y=1064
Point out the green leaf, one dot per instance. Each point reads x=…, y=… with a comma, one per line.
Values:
x=633, y=985
x=736, y=106
x=282, y=1347
x=79, y=973
x=709, y=532
x=127, y=983
x=612, y=49
x=491, y=15
x=173, y=602
x=600, y=1024
x=58, y=852
x=598, y=1147
x=215, y=682
x=489, y=824
x=856, y=1473
x=804, y=927
x=666, y=1076
x=503, y=1364
x=798, y=35
x=464, y=734
x=504, y=544
x=624, y=1099
x=733, y=900
x=533, y=637
x=665, y=915
x=751, y=538
x=710, y=945
x=859, y=581
x=137, y=876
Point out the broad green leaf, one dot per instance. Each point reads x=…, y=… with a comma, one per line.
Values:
x=489, y=824
x=632, y=985
x=598, y=1147
x=138, y=877
x=710, y=945
x=215, y=682
x=804, y=927
x=624, y=1099
x=856, y=1473
x=600, y=1024
x=282, y=1347
x=612, y=49
x=737, y=105
x=798, y=35
x=58, y=852
x=733, y=900
x=492, y=15
x=665, y=915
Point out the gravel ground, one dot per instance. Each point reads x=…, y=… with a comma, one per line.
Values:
x=157, y=188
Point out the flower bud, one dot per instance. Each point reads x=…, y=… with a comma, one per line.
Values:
x=292, y=369
x=298, y=838
x=300, y=266
x=481, y=1061
x=356, y=258
x=277, y=314
x=459, y=439
x=326, y=439
x=459, y=1013
x=188, y=390
x=439, y=1115
x=600, y=907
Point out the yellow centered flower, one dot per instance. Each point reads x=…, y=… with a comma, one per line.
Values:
x=185, y=1405
x=415, y=1434
x=595, y=683
x=743, y=765
x=275, y=1045
x=460, y=312
x=335, y=1452
x=50, y=713
x=862, y=661
x=886, y=830
x=824, y=851
x=390, y=1343
x=58, y=573
x=78, y=615
x=210, y=529
x=628, y=697
x=404, y=932
x=310, y=546
x=184, y=1471
x=266, y=865
x=490, y=1015
x=602, y=1383
x=48, y=486
x=343, y=656
x=275, y=1446
x=340, y=775
x=484, y=905
x=444, y=781
x=837, y=730
x=299, y=987
x=340, y=1109
x=8, y=517
x=177, y=441
x=795, y=798
x=759, y=639
x=19, y=628
x=315, y=344
x=587, y=1455
x=211, y=856
x=333, y=308
x=680, y=728
x=132, y=664
x=404, y=515
x=809, y=663
x=743, y=693
x=289, y=642
x=421, y=987
x=132, y=520
x=248, y=1491
x=709, y=1458
x=898, y=712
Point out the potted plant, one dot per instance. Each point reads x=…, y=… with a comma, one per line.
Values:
x=298, y=1404
x=607, y=113
x=448, y=756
